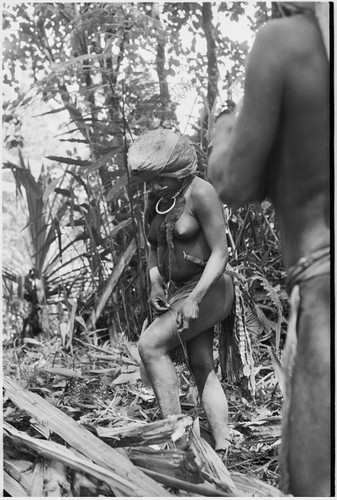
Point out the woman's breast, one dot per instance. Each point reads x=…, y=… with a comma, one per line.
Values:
x=190, y=247
x=186, y=227
x=188, y=239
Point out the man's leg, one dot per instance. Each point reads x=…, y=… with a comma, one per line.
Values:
x=309, y=417
x=213, y=399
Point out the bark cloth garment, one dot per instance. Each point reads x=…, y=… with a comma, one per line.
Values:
x=308, y=267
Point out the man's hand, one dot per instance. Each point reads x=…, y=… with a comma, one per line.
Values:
x=187, y=312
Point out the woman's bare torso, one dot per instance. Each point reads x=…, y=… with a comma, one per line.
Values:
x=188, y=239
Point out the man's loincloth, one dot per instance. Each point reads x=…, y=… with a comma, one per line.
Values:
x=308, y=267
x=314, y=264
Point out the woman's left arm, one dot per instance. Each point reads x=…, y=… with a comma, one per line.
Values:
x=209, y=210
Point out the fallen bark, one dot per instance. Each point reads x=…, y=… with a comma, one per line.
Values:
x=202, y=489
x=56, y=480
x=213, y=469
x=82, y=440
x=38, y=479
x=216, y=472
x=13, y=487
x=144, y=434
x=255, y=487
x=83, y=487
x=54, y=451
x=199, y=471
x=20, y=472
x=175, y=463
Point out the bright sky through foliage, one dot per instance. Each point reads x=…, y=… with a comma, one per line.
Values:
x=188, y=110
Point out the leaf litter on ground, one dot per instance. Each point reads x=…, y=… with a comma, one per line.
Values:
x=105, y=394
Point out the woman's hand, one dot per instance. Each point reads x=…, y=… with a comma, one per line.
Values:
x=187, y=312
x=158, y=300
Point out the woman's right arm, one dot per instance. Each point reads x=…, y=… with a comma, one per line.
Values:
x=157, y=296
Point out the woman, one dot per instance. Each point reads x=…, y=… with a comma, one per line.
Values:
x=188, y=253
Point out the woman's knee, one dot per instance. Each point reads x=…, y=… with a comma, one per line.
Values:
x=148, y=346
x=144, y=346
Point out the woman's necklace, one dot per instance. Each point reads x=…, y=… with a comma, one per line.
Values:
x=174, y=197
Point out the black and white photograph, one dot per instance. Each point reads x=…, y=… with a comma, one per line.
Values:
x=167, y=197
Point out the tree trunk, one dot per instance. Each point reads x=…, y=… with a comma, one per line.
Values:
x=212, y=70
x=166, y=113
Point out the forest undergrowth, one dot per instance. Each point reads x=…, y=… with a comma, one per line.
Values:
x=100, y=387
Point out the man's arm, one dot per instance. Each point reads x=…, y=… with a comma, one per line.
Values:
x=238, y=165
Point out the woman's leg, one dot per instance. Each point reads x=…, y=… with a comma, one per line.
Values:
x=213, y=399
x=161, y=336
x=154, y=346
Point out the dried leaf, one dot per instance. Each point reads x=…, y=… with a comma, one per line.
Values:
x=133, y=350
x=31, y=341
x=50, y=188
x=127, y=378
x=38, y=480
x=81, y=321
x=62, y=372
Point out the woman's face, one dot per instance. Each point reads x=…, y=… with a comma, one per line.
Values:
x=164, y=186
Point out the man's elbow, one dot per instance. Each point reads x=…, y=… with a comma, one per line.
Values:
x=237, y=197
x=226, y=189
x=232, y=198
x=216, y=168
x=221, y=176
x=233, y=191
x=225, y=194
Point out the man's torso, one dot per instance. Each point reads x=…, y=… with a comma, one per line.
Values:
x=299, y=166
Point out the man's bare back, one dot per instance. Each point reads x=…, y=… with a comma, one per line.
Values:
x=280, y=145
x=300, y=190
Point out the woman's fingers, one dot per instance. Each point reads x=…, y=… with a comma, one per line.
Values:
x=183, y=323
x=160, y=305
x=179, y=321
x=185, y=316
